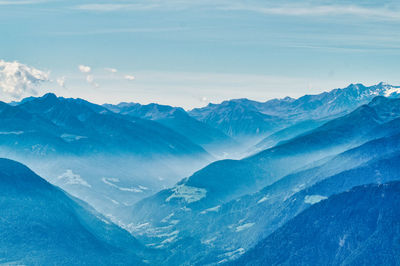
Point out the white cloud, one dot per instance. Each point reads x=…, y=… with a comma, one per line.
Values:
x=17, y=79
x=129, y=77
x=90, y=80
x=112, y=70
x=115, y=7
x=89, y=77
x=61, y=82
x=84, y=69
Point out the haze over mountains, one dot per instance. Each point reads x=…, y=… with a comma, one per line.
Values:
x=239, y=220
x=156, y=172
x=212, y=139
x=279, y=113
x=41, y=224
x=66, y=140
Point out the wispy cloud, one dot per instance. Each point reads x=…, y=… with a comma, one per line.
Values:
x=17, y=79
x=287, y=8
x=89, y=77
x=90, y=80
x=121, y=30
x=129, y=77
x=84, y=69
x=111, y=70
x=61, y=82
x=115, y=7
x=321, y=10
x=22, y=2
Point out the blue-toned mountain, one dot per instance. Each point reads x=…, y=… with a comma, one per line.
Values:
x=42, y=225
x=239, y=119
x=209, y=214
x=359, y=227
x=175, y=118
x=109, y=160
x=268, y=166
x=243, y=117
x=225, y=231
x=90, y=128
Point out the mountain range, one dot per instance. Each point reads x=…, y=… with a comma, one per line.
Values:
x=243, y=118
x=272, y=164
x=90, y=128
x=177, y=119
x=307, y=181
x=66, y=140
x=220, y=222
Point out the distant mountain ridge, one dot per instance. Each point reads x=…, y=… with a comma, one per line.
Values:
x=317, y=146
x=216, y=126
x=323, y=104
x=90, y=128
x=266, y=117
x=177, y=119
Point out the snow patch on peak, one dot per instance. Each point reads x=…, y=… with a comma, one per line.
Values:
x=390, y=91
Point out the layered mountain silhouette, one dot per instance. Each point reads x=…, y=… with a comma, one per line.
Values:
x=212, y=139
x=237, y=225
x=42, y=225
x=109, y=160
x=359, y=227
x=312, y=185
x=238, y=118
x=266, y=167
x=79, y=127
x=221, y=224
x=245, y=118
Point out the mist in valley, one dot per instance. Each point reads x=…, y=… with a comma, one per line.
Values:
x=199, y=133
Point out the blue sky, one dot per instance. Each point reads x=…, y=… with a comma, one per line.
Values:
x=188, y=53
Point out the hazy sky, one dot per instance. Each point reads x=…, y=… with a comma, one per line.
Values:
x=187, y=53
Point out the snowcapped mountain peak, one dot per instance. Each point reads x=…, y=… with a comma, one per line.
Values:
x=385, y=89
x=391, y=91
